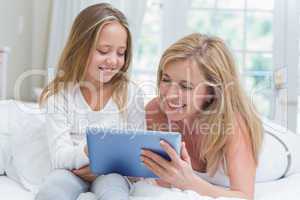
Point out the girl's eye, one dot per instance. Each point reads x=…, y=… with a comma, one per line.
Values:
x=102, y=51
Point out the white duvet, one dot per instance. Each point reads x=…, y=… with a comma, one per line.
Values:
x=144, y=191
x=283, y=189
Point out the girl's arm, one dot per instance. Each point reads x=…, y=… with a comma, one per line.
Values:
x=58, y=131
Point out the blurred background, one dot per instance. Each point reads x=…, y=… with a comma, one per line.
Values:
x=262, y=34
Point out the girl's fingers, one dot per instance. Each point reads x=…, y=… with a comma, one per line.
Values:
x=82, y=171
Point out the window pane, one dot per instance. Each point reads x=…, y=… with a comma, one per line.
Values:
x=201, y=21
x=231, y=4
x=259, y=61
x=149, y=45
x=238, y=58
x=260, y=4
x=259, y=90
x=259, y=31
x=230, y=27
x=203, y=3
x=149, y=49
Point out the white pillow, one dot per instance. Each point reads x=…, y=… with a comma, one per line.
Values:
x=290, y=141
x=2, y=169
x=4, y=134
x=29, y=144
x=274, y=161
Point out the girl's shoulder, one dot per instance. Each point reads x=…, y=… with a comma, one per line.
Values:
x=61, y=99
x=156, y=119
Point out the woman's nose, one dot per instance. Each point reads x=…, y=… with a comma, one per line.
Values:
x=173, y=91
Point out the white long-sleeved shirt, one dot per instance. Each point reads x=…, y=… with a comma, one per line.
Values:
x=68, y=115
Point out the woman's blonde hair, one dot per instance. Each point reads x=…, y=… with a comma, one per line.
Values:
x=82, y=40
x=228, y=100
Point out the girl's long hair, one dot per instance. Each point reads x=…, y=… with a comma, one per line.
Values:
x=82, y=40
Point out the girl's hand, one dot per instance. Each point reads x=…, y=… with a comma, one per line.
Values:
x=85, y=174
x=85, y=149
x=178, y=172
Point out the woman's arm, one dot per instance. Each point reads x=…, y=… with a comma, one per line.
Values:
x=240, y=165
x=241, y=168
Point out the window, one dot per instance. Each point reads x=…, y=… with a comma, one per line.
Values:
x=247, y=28
x=148, y=53
x=245, y=25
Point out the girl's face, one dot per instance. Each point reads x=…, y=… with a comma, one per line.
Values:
x=109, y=56
x=182, y=90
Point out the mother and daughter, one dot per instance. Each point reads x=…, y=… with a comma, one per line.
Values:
x=199, y=95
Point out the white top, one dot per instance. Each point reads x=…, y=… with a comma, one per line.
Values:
x=68, y=115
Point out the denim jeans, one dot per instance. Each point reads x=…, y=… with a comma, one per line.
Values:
x=64, y=185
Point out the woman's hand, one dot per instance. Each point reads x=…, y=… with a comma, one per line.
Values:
x=178, y=172
x=163, y=183
x=85, y=174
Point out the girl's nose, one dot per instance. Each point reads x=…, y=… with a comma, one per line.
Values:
x=112, y=60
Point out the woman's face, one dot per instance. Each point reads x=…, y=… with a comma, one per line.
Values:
x=109, y=56
x=182, y=90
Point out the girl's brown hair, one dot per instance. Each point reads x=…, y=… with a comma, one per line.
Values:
x=81, y=41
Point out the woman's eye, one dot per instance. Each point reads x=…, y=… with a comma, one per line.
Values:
x=166, y=80
x=186, y=87
x=121, y=53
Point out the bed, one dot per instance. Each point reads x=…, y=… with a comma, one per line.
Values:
x=14, y=189
x=287, y=189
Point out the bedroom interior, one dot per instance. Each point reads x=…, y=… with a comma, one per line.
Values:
x=263, y=36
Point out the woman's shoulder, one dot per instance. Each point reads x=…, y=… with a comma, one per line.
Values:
x=153, y=106
x=156, y=119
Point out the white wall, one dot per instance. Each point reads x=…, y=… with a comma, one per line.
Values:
x=24, y=28
x=40, y=34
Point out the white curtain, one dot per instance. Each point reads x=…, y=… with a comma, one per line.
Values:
x=62, y=16
x=65, y=11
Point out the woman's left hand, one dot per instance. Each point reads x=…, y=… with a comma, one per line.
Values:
x=178, y=172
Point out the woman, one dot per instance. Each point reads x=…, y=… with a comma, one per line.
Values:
x=201, y=97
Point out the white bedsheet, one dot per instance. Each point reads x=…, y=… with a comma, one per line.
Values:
x=284, y=189
x=11, y=190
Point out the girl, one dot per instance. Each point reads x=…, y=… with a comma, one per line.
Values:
x=91, y=88
x=201, y=97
